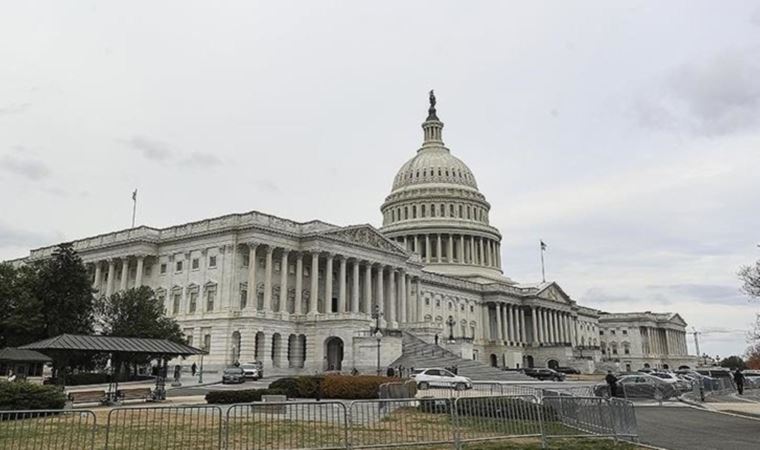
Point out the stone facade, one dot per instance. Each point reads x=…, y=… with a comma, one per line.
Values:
x=309, y=297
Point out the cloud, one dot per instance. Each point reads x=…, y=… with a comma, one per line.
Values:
x=703, y=293
x=24, y=166
x=266, y=185
x=712, y=97
x=15, y=237
x=14, y=109
x=150, y=148
x=198, y=159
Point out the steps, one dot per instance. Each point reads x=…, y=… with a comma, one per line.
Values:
x=420, y=354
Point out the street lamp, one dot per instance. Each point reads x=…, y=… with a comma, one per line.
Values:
x=377, y=314
x=451, y=322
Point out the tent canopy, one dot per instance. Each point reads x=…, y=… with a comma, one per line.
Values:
x=113, y=344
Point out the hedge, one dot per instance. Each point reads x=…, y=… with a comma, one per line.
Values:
x=244, y=396
x=332, y=386
x=23, y=395
x=78, y=379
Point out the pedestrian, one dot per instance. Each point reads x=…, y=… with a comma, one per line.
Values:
x=401, y=371
x=193, y=369
x=354, y=372
x=177, y=372
x=739, y=380
x=389, y=372
x=436, y=339
x=11, y=376
x=455, y=369
x=611, y=383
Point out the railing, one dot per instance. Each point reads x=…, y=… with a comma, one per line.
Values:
x=323, y=425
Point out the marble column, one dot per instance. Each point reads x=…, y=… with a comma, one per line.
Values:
x=314, y=291
x=486, y=329
x=328, y=283
x=487, y=254
x=284, y=282
x=98, y=275
x=523, y=336
x=251, y=295
x=403, y=290
x=438, y=255
x=139, y=270
x=505, y=321
x=481, y=254
x=417, y=245
x=341, y=284
x=418, y=299
x=367, y=288
x=550, y=317
x=268, y=280
x=355, y=287
x=499, y=326
x=125, y=273
x=450, y=249
x=427, y=248
x=299, y=284
x=380, y=301
x=535, y=325
x=511, y=323
x=472, y=250
x=392, y=290
x=498, y=255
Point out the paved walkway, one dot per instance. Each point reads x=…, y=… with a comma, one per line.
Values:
x=691, y=428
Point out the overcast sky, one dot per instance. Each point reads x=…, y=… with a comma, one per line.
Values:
x=624, y=134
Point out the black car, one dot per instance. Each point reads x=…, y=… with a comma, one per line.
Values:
x=545, y=374
x=568, y=370
x=233, y=375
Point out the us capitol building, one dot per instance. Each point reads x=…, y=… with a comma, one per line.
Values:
x=308, y=297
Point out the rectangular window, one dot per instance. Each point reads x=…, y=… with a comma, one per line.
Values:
x=163, y=268
x=175, y=307
x=627, y=351
x=243, y=298
x=207, y=343
x=189, y=339
x=246, y=260
x=179, y=266
x=212, y=262
x=210, y=297
x=196, y=264
x=193, y=302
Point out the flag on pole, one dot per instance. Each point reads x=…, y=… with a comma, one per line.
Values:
x=134, y=195
x=543, y=244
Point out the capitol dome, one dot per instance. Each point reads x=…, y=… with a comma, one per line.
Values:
x=436, y=210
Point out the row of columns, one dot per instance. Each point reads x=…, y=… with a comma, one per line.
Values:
x=548, y=326
x=664, y=341
x=111, y=273
x=454, y=249
x=394, y=304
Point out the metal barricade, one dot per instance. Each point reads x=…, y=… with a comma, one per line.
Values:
x=287, y=425
x=401, y=423
x=497, y=418
x=624, y=421
x=568, y=416
x=48, y=429
x=167, y=428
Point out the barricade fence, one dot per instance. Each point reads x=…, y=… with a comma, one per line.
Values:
x=323, y=425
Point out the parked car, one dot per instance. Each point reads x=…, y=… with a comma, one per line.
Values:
x=254, y=370
x=437, y=377
x=233, y=375
x=543, y=373
x=639, y=386
x=568, y=370
x=671, y=378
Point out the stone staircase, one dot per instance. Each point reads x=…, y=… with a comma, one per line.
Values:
x=420, y=354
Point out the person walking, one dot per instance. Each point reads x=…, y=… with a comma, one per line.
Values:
x=739, y=380
x=611, y=383
x=193, y=369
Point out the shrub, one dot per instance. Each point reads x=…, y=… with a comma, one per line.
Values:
x=78, y=379
x=244, y=396
x=352, y=387
x=23, y=395
x=300, y=387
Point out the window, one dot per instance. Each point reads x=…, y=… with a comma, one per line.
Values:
x=210, y=297
x=427, y=302
x=625, y=332
x=450, y=306
x=189, y=339
x=176, y=300
x=195, y=264
x=207, y=343
x=212, y=262
x=627, y=350
x=162, y=301
x=438, y=302
x=243, y=297
x=472, y=308
x=162, y=269
x=193, y=302
x=178, y=267
x=612, y=332
x=601, y=332
x=246, y=260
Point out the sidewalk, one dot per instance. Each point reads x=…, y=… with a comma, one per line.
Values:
x=187, y=380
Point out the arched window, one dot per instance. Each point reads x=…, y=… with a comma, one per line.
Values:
x=414, y=211
x=406, y=212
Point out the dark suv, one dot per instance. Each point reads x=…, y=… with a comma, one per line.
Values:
x=545, y=374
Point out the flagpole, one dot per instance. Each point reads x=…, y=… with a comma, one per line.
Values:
x=134, y=207
x=543, y=272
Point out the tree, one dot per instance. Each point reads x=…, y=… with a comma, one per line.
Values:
x=753, y=356
x=750, y=276
x=136, y=313
x=733, y=362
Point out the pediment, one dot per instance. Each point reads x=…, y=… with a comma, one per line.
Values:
x=366, y=236
x=676, y=318
x=554, y=293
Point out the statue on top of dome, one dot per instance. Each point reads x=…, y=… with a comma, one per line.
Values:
x=431, y=111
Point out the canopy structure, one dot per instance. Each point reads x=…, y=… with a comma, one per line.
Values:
x=113, y=344
x=23, y=355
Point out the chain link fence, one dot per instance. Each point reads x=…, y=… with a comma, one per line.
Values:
x=323, y=425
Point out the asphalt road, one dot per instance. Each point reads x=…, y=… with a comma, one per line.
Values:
x=691, y=429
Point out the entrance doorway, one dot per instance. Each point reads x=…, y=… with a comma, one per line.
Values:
x=528, y=361
x=494, y=360
x=334, y=353
x=552, y=364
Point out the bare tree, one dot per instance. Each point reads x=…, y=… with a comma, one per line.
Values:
x=750, y=276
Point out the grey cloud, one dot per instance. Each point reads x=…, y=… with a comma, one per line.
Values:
x=15, y=237
x=713, y=97
x=198, y=159
x=704, y=293
x=599, y=297
x=150, y=148
x=14, y=109
x=24, y=166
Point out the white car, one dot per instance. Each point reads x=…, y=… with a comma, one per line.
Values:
x=437, y=377
x=252, y=370
x=671, y=378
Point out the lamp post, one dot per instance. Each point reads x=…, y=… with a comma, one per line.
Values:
x=451, y=322
x=377, y=314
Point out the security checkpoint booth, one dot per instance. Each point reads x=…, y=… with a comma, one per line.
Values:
x=64, y=347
